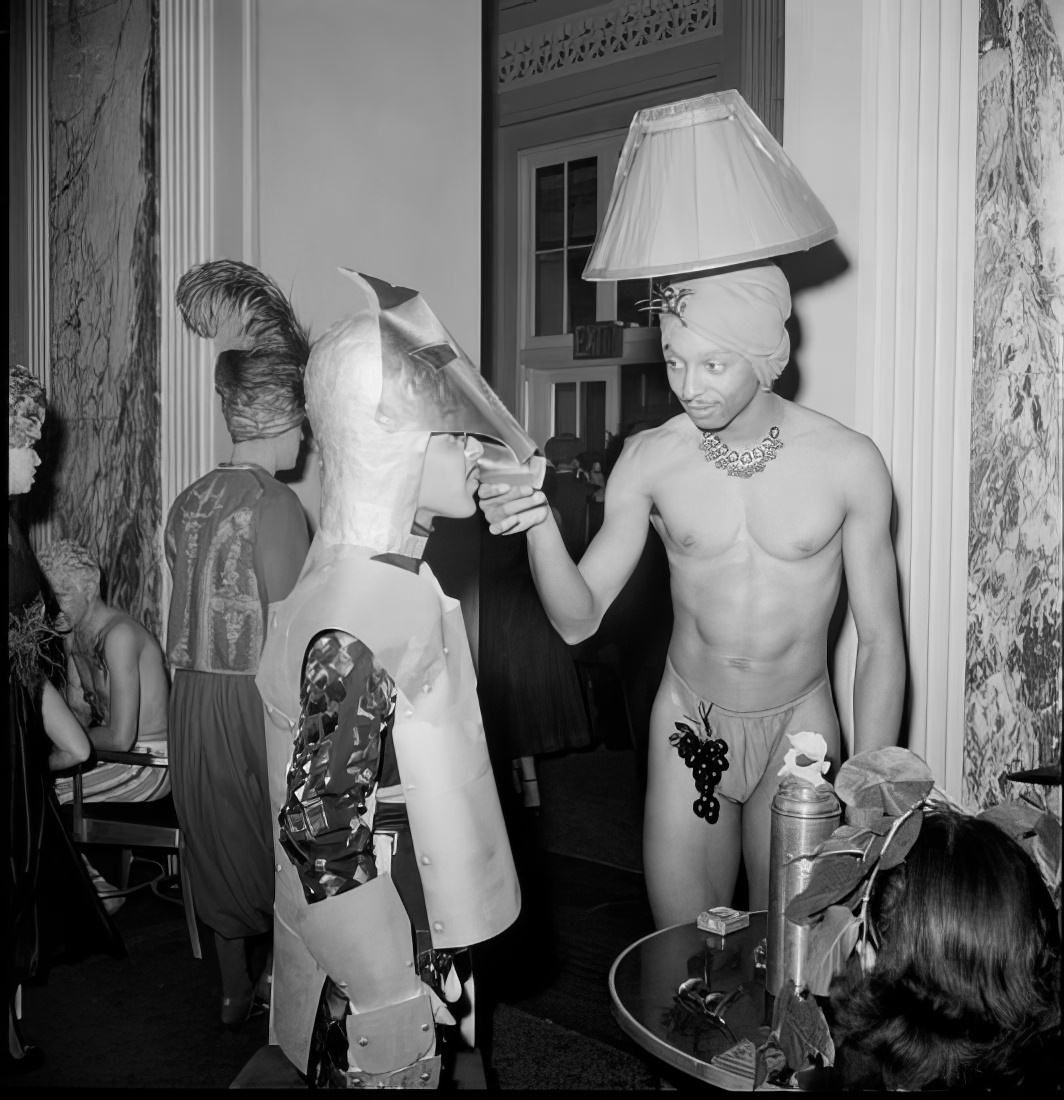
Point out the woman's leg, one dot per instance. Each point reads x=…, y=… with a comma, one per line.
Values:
x=529, y=782
x=21, y=1057
x=237, y=987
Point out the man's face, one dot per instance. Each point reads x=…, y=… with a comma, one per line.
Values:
x=713, y=386
x=73, y=602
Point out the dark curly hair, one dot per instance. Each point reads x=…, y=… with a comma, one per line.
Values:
x=965, y=987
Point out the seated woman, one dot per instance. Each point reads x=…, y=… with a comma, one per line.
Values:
x=117, y=683
x=963, y=988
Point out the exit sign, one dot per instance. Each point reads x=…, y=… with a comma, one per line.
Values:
x=602, y=340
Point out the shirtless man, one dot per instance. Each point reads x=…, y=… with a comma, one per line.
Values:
x=762, y=506
x=118, y=686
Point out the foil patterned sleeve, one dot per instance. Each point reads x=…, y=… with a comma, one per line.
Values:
x=347, y=706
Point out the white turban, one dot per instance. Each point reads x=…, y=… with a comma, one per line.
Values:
x=744, y=311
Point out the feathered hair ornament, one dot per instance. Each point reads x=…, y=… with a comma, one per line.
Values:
x=262, y=347
x=668, y=299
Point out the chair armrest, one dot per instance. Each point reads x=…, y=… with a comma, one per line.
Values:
x=138, y=759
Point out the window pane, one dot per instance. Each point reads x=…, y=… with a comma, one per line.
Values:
x=583, y=200
x=646, y=397
x=564, y=407
x=632, y=294
x=550, y=198
x=581, y=294
x=594, y=416
x=549, y=294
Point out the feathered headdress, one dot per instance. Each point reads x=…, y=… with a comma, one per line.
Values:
x=262, y=347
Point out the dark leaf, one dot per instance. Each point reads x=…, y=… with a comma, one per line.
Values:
x=848, y=840
x=829, y=945
x=899, y=797
x=852, y=900
x=894, y=798
x=902, y=841
x=783, y=1001
x=1045, y=849
x=769, y=1060
x=830, y=882
x=1048, y=839
x=875, y=849
x=804, y=1033
x=1015, y=818
x=867, y=817
x=868, y=769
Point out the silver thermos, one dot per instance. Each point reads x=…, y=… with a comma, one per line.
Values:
x=803, y=816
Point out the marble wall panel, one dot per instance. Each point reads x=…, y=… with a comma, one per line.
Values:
x=105, y=481
x=1013, y=684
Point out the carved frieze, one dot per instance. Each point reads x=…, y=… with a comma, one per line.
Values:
x=600, y=36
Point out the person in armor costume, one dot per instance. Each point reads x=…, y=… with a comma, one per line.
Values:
x=235, y=541
x=392, y=856
x=51, y=911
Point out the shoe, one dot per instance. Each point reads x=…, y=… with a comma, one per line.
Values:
x=111, y=896
x=30, y=1059
x=264, y=988
x=531, y=794
x=236, y=1011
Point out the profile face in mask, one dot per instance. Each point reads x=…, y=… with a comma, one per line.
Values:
x=450, y=478
x=381, y=385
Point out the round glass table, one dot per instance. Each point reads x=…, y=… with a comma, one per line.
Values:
x=696, y=1000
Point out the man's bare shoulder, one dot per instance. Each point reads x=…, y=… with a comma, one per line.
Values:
x=127, y=634
x=851, y=451
x=660, y=442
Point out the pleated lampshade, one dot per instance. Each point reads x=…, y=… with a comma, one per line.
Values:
x=702, y=184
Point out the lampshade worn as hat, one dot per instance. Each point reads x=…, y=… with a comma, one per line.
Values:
x=702, y=184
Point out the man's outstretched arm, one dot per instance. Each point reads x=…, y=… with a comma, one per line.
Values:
x=575, y=597
x=872, y=586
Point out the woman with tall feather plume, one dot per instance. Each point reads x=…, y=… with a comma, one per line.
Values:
x=235, y=542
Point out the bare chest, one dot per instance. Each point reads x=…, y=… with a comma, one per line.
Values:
x=782, y=514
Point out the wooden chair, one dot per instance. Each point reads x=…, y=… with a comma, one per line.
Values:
x=130, y=825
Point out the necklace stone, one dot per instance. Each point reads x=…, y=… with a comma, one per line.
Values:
x=741, y=463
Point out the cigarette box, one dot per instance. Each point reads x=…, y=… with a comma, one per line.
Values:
x=722, y=920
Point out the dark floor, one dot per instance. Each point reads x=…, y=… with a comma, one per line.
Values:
x=149, y=1020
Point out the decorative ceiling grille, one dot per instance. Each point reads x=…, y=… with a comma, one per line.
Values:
x=600, y=36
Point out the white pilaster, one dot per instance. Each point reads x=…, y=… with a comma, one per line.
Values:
x=186, y=204
x=37, y=193
x=915, y=270
x=880, y=115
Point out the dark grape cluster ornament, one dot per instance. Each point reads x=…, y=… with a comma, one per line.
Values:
x=707, y=757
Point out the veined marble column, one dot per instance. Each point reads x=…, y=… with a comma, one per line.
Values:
x=1013, y=687
x=104, y=291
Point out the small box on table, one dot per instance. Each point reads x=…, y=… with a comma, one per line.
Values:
x=722, y=920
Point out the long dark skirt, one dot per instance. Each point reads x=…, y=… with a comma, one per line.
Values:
x=529, y=690
x=52, y=913
x=221, y=793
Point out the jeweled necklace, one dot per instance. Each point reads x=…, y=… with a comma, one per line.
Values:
x=741, y=463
